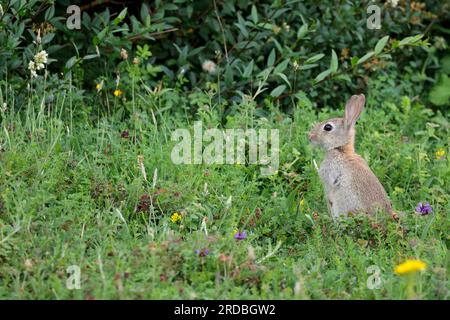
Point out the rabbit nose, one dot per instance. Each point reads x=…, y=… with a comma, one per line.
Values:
x=311, y=136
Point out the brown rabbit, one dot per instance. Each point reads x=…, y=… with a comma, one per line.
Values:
x=350, y=185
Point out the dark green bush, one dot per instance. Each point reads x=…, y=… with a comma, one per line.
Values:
x=287, y=48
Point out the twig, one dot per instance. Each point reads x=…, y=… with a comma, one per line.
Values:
x=222, y=30
x=94, y=4
x=251, y=40
x=157, y=33
x=332, y=76
x=429, y=26
x=40, y=9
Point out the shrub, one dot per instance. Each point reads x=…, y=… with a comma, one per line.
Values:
x=289, y=47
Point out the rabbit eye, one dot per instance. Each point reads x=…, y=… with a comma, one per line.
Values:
x=328, y=127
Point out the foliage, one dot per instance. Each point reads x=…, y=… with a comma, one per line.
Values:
x=440, y=94
x=76, y=196
x=290, y=46
x=86, y=177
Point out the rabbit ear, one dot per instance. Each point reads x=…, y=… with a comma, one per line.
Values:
x=353, y=109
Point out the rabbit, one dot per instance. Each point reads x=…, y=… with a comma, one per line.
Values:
x=350, y=185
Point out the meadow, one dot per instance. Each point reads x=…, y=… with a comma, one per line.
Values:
x=74, y=193
x=92, y=205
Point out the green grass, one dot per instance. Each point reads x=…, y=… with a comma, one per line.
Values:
x=70, y=187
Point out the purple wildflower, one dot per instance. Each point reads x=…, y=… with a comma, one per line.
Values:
x=240, y=235
x=125, y=134
x=202, y=252
x=424, y=209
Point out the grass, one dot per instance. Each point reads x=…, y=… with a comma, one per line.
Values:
x=72, y=193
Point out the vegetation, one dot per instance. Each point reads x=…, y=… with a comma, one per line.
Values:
x=87, y=180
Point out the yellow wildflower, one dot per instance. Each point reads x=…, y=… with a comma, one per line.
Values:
x=175, y=217
x=99, y=86
x=410, y=266
x=440, y=153
x=118, y=92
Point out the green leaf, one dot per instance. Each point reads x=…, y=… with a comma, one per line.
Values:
x=283, y=76
x=445, y=64
x=90, y=56
x=394, y=44
x=71, y=62
x=170, y=7
x=334, y=61
x=144, y=12
x=308, y=66
x=410, y=40
x=271, y=59
x=315, y=58
x=322, y=75
x=49, y=13
x=354, y=61
x=47, y=38
x=121, y=16
x=302, y=31
x=228, y=75
x=102, y=34
x=365, y=57
x=281, y=66
x=439, y=94
x=265, y=25
x=254, y=14
x=241, y=25
x=248, y=70
x=303, y=100
x=344, y=77
x=279, y=47
x=278, y=90
x=153, y=70
x=381, y=44
x=264, y=74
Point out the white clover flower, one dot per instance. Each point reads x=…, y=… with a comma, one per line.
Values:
x=31, y=65
x=41, y=58
x=209, y=66
x=38, y=63
x=393, y=3
x=32, y=68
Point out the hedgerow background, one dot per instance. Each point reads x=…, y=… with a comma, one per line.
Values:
x=85, y=172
